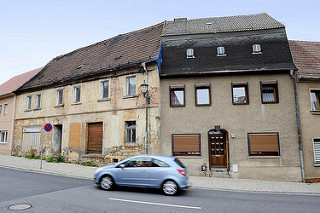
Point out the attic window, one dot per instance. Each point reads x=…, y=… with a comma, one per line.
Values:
x=118, y=56
x=190, y=53
x=256, y=48
x=221, y=51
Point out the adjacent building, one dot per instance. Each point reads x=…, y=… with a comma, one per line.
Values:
x=7, y=109
x=227, y=97
x=306, y=56
x=92, y=98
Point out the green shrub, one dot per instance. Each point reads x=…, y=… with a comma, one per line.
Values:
x=88, y=163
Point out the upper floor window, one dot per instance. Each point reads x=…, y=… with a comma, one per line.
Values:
x=131, y=86
x=221, y=51
x=104, y=89
x=203, y=95
x=38, y=101
x=190, y=53
x=315, y=100
x=256, y=49
x=28, y=103
x=240, y=93
x=5, y=111
x=177, y=96
x=77, y=94
x=0, y=109
x=269, y=92
x=263, y=144
x=3, y=136
x=59, y=98
x=130, y=131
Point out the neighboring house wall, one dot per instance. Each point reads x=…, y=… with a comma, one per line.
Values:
x=238, y=121
x=71, y=120
x=310, y=125
x=7, y=105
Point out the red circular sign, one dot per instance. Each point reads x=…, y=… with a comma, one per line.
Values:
x=47, y=127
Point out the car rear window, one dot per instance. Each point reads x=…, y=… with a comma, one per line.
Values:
x=179, y=162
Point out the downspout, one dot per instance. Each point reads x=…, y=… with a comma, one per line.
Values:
x=146, y=96
x=298, y=124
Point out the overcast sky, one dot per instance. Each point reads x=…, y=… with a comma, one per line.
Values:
x=32, y=32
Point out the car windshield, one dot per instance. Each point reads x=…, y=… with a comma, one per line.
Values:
x=179, y=162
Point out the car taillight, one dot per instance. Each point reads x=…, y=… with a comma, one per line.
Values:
x=181, y=172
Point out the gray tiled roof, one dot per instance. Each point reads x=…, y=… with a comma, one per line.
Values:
x=220, y=24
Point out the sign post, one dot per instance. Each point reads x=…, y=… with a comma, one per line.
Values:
x=47, y=127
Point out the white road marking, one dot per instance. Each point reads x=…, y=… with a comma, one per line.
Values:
x=158, y=204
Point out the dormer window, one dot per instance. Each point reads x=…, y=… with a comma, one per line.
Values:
x=190, y=53
x=256, y=48
x=221, y=51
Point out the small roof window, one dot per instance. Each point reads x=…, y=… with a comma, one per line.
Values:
x=221, y=51
x=190, y=53
x=256, y=48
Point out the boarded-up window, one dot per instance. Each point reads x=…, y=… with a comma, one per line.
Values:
x=186, y=144
x=74, y=135
x=95, y=137
x=264, y=144
x=31, y=137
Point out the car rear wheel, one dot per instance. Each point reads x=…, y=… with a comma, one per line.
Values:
x=170, y=187
x=106, y=183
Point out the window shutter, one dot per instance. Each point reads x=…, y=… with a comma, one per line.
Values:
x=186, y=143
x=264, y=142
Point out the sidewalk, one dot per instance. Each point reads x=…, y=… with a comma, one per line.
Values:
x=227, y=184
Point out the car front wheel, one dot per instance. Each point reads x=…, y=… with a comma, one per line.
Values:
x=106, y=183
x=169, y=187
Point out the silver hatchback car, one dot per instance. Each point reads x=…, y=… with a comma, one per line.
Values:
x=151, y=171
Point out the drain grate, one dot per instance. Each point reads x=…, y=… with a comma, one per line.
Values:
x=19, y=207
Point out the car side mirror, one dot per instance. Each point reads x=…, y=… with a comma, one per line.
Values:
x=121, y=166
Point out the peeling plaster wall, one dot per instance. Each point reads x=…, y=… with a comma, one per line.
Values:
x=112, y=112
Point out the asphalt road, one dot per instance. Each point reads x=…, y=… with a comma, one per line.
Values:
x=49, y=193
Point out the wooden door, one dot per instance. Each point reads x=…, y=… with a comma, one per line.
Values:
x=218, y=149
x=95, y=136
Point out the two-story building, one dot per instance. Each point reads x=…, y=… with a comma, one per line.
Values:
x=7, y=109
x=92, y=98
x=227, y=97
x=306, y=56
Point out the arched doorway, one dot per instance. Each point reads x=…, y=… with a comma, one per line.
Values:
x=218, y=148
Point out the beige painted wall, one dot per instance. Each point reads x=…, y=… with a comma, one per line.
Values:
x=6, y=123
x=238, y=120
x=310, y=126
x=112, y=112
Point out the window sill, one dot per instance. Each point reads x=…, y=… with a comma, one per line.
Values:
x=130, y=96
x=28, y=110
x=3, y=143
x=37, y=109
x=256, y=53
x=78, y=103
x=315, y=112
x=104, y=99
x=188, y=157
x=264, y=157
x=316, y=165
x=57, y=106
x=222, y=55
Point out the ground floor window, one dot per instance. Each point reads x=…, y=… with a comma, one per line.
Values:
x=186, y=145
x=316, y=147
x=3, y=136
x=263, y=144
x=31, y=137
x=130, y=131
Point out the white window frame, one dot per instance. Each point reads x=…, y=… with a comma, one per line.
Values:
x=132, y=130
x=5, y=110
x=102, y=90
x=59, y=91
x=316, y=151
x=256, y=49
x=313, y=100
x=76, y=90
x=29, y=101
x=38, y=101
x=128, y=86
x=3, y=136
x=190, y=53
x=221, y=51
x=0, y=109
